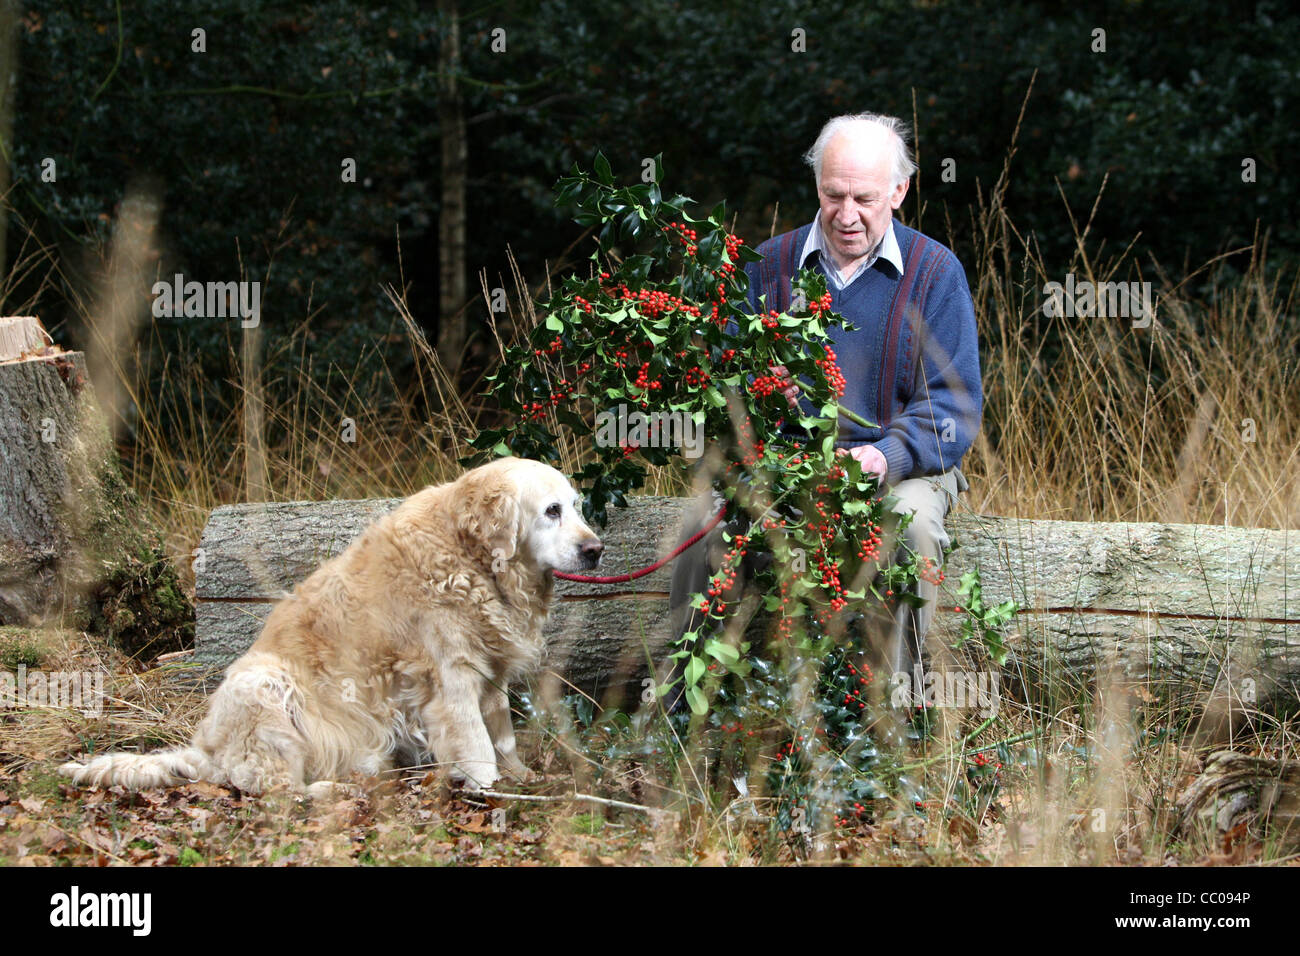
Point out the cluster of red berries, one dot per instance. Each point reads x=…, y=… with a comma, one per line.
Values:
x=752, y=451
x=555, y=345
x=870, y=549
x=783, y=625
x=643, y=380
x=865, y=676
x=820, y=305
x=864, y=679
x=624, y=353
x=789, y=749
x=829, y=569
x=858, y=808
x=834, y=377
x=652, y=303
x=930, y=571
x=725, y=579
x=696, y=377
x=983, y=760
x=686, y=236
x=582, y=303
x=537, y=410
x=727, y=355
x=824, y=527
x=764, y=385
x=796, y=744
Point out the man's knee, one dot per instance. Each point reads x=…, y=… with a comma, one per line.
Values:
x=927, y=500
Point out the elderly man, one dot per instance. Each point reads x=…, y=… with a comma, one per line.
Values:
x=911, y=364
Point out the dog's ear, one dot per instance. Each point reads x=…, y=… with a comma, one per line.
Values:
x=490, y=517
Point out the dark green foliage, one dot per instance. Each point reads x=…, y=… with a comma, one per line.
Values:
x=247, y=138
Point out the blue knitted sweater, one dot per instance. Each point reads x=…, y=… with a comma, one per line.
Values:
x=912, y=365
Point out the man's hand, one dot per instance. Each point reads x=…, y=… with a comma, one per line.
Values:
x=790, y=389
x=870, y=458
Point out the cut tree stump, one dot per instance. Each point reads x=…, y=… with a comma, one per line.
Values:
x=21, y=335
x=1183, y=608
x=74, y=541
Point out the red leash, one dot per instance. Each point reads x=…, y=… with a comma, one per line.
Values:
x=623, y=578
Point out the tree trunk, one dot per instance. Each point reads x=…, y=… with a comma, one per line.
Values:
x=452, y=287
x=73, y=539
x=1176, y=607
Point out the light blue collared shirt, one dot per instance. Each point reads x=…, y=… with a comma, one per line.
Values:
x=886, y=249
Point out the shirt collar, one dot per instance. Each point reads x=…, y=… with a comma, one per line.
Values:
x=886, y=249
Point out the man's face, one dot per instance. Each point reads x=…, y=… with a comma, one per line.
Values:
x=857, y=200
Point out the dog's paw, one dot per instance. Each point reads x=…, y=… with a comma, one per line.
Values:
x=332, y=790
x=519, y=773
x=471, y=785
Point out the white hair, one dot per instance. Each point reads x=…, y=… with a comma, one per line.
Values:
x=903, y=164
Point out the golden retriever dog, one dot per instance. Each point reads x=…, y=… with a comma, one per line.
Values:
x=399, y=648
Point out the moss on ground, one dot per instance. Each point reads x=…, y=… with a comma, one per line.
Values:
x=21, y=646
x=130, y=594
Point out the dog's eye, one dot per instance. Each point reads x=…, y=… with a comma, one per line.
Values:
x=553, y=511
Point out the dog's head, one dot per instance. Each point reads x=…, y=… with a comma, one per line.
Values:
x=525, y=511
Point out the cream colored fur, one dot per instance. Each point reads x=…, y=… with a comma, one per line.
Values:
x=400, y=647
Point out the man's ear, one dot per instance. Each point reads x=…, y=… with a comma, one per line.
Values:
x=899, y=194
x=490, y=516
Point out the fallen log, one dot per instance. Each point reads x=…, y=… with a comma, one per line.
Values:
x=1183, y=608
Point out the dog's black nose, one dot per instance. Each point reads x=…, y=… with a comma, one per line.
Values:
x=591, y=552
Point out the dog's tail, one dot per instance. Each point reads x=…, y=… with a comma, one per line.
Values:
x=166, y=768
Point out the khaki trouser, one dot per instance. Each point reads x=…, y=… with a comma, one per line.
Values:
x=929, y=499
